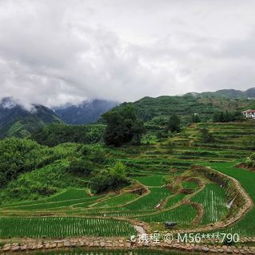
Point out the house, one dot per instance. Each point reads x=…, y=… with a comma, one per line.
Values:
x=249, y=114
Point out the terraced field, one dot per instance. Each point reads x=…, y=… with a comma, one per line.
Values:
x=214, y=201
x=246, y=226
x=60, y=227
x=163, y=172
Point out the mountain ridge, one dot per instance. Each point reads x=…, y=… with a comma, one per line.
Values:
x=17, y=120
x=228, y=93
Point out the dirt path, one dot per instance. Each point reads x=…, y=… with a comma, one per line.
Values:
x=140, y=230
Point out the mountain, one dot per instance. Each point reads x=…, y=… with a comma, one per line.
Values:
x=84, y=113
x=157, y=110
x=228, y=93
x=16, y=120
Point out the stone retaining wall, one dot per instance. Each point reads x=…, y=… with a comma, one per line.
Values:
x=121, y=243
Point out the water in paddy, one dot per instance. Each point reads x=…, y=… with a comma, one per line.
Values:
x=108, y=252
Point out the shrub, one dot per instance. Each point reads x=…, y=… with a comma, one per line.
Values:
x=81, y=167
x=17, y=156
x=110, y=179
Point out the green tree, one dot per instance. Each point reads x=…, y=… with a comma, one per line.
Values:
x=195, y=118
x=227, y=116
x=174, y=123
x=123, y=127
x=55, y=134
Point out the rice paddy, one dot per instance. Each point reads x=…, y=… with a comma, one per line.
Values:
x=77, y=213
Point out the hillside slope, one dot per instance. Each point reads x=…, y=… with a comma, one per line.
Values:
x=15, y=120
x=229, y=93
x=152, y=109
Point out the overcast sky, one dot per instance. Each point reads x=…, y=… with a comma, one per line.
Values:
x=58, y=51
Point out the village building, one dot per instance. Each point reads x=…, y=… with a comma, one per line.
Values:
x=249, y=114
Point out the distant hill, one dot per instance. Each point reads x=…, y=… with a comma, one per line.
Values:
x=228, y=93
x=15, y=120
x=84, y=113
x=155, y=110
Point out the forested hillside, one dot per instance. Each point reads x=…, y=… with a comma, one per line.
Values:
x=15, y=120
x=230, y=93
x=156, y=111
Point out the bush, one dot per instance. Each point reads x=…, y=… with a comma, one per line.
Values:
x=110, y=179
x=81, y=167
x=94, y=153
x=250, y=161
x=17, y=156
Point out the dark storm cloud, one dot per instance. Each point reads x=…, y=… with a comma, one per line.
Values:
x=54, y=51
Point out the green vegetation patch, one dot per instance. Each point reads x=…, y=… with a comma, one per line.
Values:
x=154, y=180
x=189, y=185
x=174, y=200
x=150, y=201
x=183, y=215
x=69, y=194
x=117, y=200
x=61, y=227
x=214, y=201
x=246, y=226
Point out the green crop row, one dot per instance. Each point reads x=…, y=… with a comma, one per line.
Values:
x=60, y=227
x=214, y=201
x=182, y=215
x=246, y=226
x=53, y=205
x=117, y=200
x=150, y=201
x=153, y=180
x=174, y=200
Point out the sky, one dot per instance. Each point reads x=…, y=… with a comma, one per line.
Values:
x=58, y=51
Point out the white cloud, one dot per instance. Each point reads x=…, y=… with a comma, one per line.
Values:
x=54, y=51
